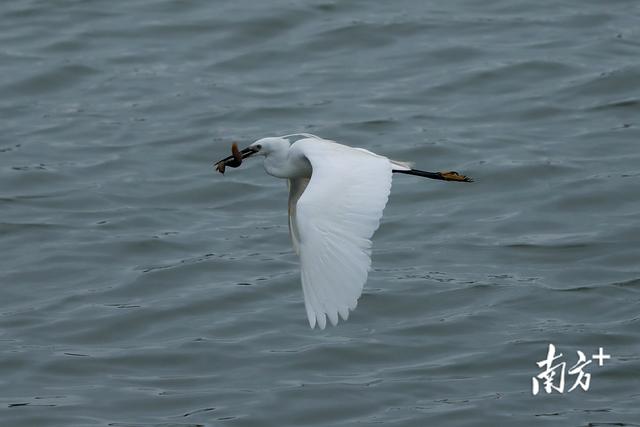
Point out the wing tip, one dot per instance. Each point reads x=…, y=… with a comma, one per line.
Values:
x=320, y=318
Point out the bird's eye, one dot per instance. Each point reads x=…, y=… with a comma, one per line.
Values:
x=259, y=147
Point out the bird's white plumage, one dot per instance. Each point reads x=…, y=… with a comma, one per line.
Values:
x=296, y=188
x=332, y=218
x=336, y=198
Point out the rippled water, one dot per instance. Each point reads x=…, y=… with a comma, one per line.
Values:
x=138, y=288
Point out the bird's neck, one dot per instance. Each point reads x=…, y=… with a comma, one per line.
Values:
x=284, y=165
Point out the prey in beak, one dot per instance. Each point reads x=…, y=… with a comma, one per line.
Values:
x=235, y=159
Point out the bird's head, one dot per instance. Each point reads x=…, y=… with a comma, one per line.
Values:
x=262, y=147
x=269, y=146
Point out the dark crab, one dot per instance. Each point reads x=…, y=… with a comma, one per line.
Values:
x=233, y=161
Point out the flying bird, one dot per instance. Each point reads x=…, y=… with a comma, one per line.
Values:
x=336, y=197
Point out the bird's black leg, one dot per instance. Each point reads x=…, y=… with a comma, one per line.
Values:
x=444, y=176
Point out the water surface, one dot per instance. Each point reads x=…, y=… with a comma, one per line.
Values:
x=138, y=288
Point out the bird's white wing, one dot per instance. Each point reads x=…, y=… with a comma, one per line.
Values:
x=296, y=188
x=335, y=217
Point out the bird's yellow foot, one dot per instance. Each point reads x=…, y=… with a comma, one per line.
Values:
x=454, y=176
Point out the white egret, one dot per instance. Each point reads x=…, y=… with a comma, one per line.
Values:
x=336, y=197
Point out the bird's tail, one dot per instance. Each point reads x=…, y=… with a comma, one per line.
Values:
x=444, y=176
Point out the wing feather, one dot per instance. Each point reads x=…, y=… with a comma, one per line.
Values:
x=333, y=221
x=296, y=188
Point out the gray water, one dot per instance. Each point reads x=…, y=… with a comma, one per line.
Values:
x=140, y=288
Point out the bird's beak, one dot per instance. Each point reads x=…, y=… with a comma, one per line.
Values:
x=235, y=159
x=243, y=155
x=247, y=152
